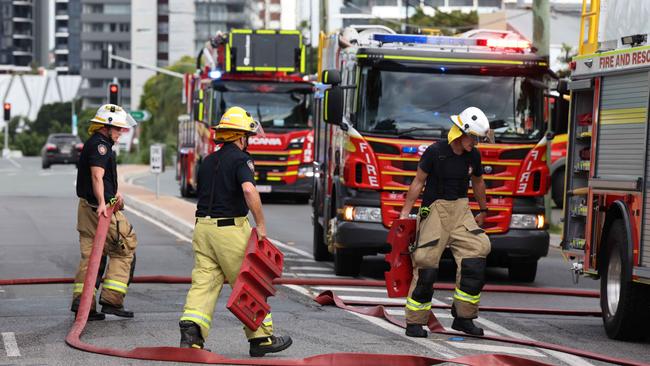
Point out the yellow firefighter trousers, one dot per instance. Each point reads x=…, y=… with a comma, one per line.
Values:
x=218, y=255
x=119, y=247
x=452, y=225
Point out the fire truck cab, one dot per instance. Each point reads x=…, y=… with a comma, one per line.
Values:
x=260, y=71
x=387, y=97
x=607, y=199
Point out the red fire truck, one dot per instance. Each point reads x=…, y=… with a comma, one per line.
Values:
x=260, y=71
x=607, y=202
x=387, y=97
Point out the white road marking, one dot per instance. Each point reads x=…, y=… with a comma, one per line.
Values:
x=302, y=260
x=159, y=224
x=569, y=359
x=491, y=348
x=16, y=164
x=12, y=174
x=310, y=268
x=291, y=249
x=11, y=347
x=431, y=344
x=443, y=351
x=370, y=299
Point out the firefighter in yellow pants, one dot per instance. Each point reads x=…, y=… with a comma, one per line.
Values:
x=226, y=191
x=96, y=189
x=445, y=220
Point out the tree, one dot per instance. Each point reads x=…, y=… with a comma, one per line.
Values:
x=162, y=98
x=567, y=54
x=448, y=23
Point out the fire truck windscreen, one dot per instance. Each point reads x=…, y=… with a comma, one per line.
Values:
x=288, y=110
x=400, y=103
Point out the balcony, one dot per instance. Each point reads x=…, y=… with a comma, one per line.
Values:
x=20, y=19
x=61, y=51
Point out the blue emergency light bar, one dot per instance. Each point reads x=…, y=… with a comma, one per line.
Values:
x=420, y=39
x=409, y=149
x=493, y=43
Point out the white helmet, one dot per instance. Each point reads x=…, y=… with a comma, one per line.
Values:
x=471, y=121
x=113, y=115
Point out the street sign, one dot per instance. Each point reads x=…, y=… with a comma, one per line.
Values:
x=140, y=116
x=156, y=165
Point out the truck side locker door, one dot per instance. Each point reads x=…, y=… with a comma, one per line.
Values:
x=620, y=153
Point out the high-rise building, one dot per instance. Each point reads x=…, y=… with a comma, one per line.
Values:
x=105, y=22
x=67, y=36
x=222, y=15
x=23, y=34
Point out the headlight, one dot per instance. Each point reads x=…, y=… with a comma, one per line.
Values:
x=306, y=172
x=526, y=221
x=359, y=213
x=296, y=143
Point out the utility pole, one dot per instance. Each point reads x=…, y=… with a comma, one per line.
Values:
x=405, y=26
x=541, y=40
x=541, y=27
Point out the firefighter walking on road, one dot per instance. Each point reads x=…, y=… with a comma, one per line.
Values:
x=445, y=219
x=97, y=189
x=226, y=191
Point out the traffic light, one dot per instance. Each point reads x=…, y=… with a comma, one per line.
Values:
x=114, y=93
x=7, y=110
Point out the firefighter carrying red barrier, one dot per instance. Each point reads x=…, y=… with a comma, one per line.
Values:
x=445, y=219
x=226, y=192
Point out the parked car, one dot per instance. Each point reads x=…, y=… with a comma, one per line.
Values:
x=61, y=148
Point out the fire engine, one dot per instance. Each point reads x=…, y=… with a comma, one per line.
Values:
x=607, y=201
x=387, y=97
x=261, y=71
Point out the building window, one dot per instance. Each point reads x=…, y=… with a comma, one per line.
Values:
x=92, y=8
x=492, y=3
x=125, y=27
x=163, y=47
x=117, y=9
x=461, y=2
x=163, y=28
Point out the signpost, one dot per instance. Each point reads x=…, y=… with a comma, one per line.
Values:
x=156, y=163
x=140, y=116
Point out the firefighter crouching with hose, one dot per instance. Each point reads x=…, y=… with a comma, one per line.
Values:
x=226, y=192
x=445, y=219
x=97, y=188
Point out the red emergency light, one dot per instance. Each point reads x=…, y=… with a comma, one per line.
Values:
x=503, y=43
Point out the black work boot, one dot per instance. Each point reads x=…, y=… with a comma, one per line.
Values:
x=115, y=310
x=466, y=326
x=272, y=344
x=190, y=335
x=92, y=315
x=416, y=330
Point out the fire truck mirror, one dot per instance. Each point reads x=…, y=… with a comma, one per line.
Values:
x=332, y=77
x=333, y=111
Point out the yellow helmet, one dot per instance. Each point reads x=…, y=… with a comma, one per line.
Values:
x=234, y=124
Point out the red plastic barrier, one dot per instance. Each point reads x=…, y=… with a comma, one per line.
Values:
x=262, y=264
x=398, y=278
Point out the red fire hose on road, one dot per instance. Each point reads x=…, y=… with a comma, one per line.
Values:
x=327, y=298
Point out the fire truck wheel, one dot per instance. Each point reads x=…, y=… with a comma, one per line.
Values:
x=557, y=188
x=624, y=304
x=320, y=248
x=185, y=190
x=523, y=271
x=347, y=263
